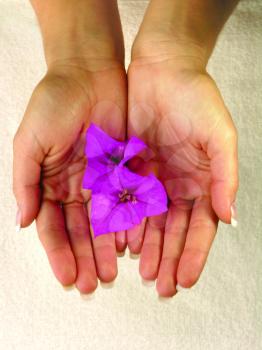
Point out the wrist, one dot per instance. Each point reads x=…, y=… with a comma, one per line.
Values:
x=188, y=27
x=150, y=47
x=82, y=30
x=78, y=48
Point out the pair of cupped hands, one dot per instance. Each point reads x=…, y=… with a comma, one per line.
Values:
x=167, y=99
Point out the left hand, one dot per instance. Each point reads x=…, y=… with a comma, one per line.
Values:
x=177, y=109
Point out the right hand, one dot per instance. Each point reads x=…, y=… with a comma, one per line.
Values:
x=49, y=162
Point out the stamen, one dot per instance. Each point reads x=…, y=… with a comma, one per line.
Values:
x=124, y=196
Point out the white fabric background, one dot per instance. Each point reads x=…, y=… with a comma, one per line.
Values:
x=223, y=311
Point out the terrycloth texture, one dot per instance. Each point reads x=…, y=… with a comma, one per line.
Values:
x=223, y=311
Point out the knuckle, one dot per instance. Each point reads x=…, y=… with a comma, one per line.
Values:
x=199, y=224
x=193, y=253
x=231, y=134
x=175, y=230
x=78, y=231
x=53, y=228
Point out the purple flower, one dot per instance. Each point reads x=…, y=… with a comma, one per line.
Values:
x=105, y=153
x=124, y=199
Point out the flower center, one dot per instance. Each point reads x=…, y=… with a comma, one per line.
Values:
x=117, y=155
x=125, y=197
x=115, y=160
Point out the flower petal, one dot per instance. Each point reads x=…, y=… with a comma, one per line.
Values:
x=148, y=190
x=119, y=218
x=102, y=205
x=138, y=211
x=128, y=179
x=108, y=183
x=133, y=147
x=98, y=143
x=153, y=193
x=107, y=176
x=94, y=173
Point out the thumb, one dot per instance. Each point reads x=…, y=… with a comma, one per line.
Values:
x=222, y=150
x=27, y=159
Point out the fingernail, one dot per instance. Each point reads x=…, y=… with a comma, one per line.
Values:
x=120, y=254
x=107, y=285
x=180, y=288
x=133, y=256
x=18, y=220
x=87, y=296
x=147, y=283
x=166, y=300
x=69, y=287
x=122, y=238
x=233, y=215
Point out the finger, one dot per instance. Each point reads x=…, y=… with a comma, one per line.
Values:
x=135, y=236
x=222, y=150
x=174, y=239
x=78, y=230
x=27, y=157
x=201, y=233
x=121, y=241
x=152, y=247
x=105, y=253
x=52, y=234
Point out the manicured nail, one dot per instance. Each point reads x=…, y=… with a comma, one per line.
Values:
x=166, y=300
x=233, y=215
x=18, y=220
x=147, y=283
x=69, y=287
x=87, y=296
x=107, y=285
x=134, y=256
x=180, y=288
x=120, y=254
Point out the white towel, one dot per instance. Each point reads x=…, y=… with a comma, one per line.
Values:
x=223, y=310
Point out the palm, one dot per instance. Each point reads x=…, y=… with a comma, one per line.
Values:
x=69, y=105
x=60, y=110
x=62, y=168
x=180, y=112
x=176, y=114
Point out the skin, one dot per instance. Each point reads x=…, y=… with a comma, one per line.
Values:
x=49, y=144
x=177, y=109
x=173, y=105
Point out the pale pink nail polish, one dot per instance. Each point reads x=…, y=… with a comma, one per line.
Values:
x=88, y=296
x=107, y=285
x=18, y=220
x=166, y=300
x=70, y=287
x=120, y=254
x=180, y=288
x=233, y=215
x=147, y=283
x=134, y=256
